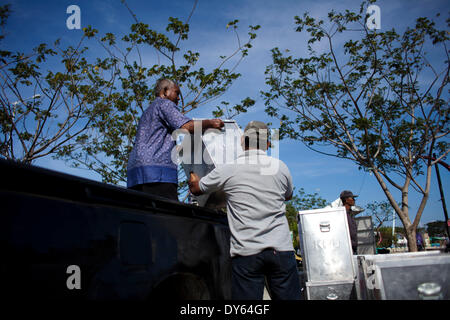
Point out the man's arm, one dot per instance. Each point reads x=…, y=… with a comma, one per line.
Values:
x=213, y=181
x=290, y=185
x=193, y=183
x=205, y=124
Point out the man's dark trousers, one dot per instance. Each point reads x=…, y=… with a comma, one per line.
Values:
x=280, y=269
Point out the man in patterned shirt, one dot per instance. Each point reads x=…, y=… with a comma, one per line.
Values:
x=150, y=166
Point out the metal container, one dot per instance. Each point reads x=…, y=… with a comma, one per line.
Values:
x=405, y=276
x=330, y=290
x=327, y=253
x=366, y=238
x=201, y=153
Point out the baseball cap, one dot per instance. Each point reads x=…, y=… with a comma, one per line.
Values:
x=347, y=194
x=257, y=130
x=254, y=127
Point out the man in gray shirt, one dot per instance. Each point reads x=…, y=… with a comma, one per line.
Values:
x=256, y=187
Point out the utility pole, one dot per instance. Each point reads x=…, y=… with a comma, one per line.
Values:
x=444, y=206
x=393, y=228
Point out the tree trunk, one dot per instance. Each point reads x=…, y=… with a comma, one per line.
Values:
x=411, y=237
x=402, y=213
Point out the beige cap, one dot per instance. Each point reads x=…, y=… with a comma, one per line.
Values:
x=257, y=130
x=256, y=125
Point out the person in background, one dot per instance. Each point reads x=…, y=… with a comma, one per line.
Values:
x=419, y=241
x=150, y=166
x=260, y=244
x=348, y=200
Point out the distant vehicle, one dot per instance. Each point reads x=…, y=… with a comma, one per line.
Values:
x=437, y=241
x=401, y=240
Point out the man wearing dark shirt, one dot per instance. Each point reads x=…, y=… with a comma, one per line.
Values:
x=150, y=166
x=348, y=200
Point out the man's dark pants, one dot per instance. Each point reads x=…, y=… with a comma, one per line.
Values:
x=280, y=269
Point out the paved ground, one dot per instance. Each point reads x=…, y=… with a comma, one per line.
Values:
x=266, y=294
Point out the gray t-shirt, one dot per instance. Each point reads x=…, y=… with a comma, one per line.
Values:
x=256, y=186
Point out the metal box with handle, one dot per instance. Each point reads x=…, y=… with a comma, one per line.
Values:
x=202, y=152
x=327, y=254
x=405, y=276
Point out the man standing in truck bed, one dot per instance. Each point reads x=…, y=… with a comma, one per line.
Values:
x=150, y=166
x=261, y=244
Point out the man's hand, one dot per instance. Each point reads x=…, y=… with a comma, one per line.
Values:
x=216, y=124
x=193, y=183
x=205, y=125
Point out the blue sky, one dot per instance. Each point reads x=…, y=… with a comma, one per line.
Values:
x=35, y=22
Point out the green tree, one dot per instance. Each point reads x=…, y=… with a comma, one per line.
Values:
x=86, y=111
x=380, y=211
x=385, y=234
x=370, y=104
x=41, y=111
x=436, y=229
x=5, y=11
x=301, y=201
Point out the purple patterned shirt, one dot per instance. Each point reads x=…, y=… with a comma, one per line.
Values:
x=150, y=160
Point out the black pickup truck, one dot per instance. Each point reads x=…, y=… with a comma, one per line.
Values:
x=121, y=244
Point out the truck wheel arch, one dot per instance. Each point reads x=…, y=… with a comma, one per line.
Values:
x=181, y=286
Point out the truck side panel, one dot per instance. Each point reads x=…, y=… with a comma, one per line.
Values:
x=148, y=248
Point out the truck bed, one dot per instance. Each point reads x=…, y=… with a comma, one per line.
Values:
x=126, y=244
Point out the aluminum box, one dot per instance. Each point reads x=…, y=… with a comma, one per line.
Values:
x=201, y=153
x=400, y=276
x=327, y=253
x=366, y=237
x=330, y=290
